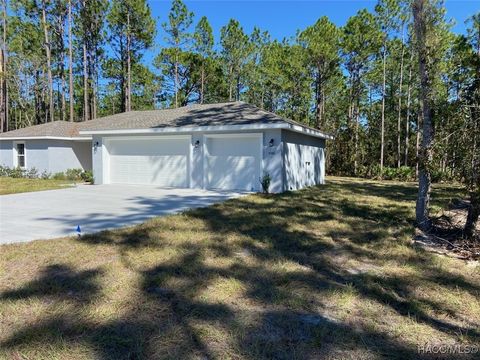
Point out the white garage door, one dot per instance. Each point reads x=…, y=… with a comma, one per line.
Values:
x=162, y=161
x=233, y=162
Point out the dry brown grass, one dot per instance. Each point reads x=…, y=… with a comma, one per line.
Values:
x=328, y=272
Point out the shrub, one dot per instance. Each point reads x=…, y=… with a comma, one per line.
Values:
x=31, y=173
x=17, y=173
x=87, y=176
x=45, y=175
x=4, y=171
x=265, y=181
x=58, y=176
x=73, y=174
x=403, y=173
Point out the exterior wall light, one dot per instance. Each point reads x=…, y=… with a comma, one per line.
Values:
x=271, y=142
x=197, y=144
x=95, y=146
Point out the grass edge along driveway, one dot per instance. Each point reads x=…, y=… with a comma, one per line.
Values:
x=21, y=185
x=327, y=272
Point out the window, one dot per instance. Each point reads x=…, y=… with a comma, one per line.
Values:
x=20, y=155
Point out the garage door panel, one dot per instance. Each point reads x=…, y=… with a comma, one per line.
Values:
x=228, y=172
x=162, y=162
x=233, y=163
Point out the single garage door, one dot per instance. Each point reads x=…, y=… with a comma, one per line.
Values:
x=162, y=161
x=232, y=162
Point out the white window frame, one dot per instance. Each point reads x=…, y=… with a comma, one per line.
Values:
x=15, y=154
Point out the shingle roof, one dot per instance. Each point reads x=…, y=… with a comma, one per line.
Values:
x=231, y=113
x=51, y=129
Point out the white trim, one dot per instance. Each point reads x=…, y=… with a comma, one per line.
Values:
x=15, y=154
x=236, y=135
x=228, y=128
x=109, y=138
x=85, y=138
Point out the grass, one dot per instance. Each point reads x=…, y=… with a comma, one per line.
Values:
x=329, y=272
x=20, y=185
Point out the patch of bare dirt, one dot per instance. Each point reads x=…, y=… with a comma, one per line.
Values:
x=446, y=236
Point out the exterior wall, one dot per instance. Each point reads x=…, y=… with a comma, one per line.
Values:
x=64, y=154
x=304, y=158
x=49, y=155
x=37, y=155
x=6, y=153
x=272, y=161
x=99, y=153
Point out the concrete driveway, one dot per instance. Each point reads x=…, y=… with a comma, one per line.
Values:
x=57, y=213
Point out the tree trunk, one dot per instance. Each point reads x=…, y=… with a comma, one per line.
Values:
x=129, y=67
x=382, y=141
x=399, y=120
x=426, y=153
x=357, y=118
x=230, y=88
x=70, y=59
x=94, y=86
x=3, y=71
x=202, y=86
x=49, y=66
x=62, y=67
x=176, y=78
x=86, y=112
x=407, y=122
x=237, y=97
x=2, y=92
x=319, y=101
x=472, y=216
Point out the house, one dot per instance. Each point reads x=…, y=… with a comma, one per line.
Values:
x=227, y=146
x=51, y=147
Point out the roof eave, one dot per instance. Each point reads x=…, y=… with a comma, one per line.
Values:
x=249, y=127
x=44, y=137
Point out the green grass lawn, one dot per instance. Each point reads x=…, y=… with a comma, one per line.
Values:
x=329, y=272
x=18, y=185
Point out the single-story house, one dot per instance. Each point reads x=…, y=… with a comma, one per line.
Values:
x=227, y=146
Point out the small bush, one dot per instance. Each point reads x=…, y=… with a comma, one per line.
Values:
x=31, y=173
x=73, y=174
x=45, y=175
x=403, y=173
x=59, y=176
x=17, y=173
x=265, y=181
x=87, y=176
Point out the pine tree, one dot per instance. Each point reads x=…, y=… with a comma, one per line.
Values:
x=235, y=52
x=179, y=21
x=132, y=30
x=203, y=45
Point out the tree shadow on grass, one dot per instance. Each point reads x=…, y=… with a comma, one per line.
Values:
x=176, y=312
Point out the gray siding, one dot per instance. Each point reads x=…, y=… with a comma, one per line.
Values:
x=6, y=153
x=304, y=160
x=37, y=154
x=63, y=155
x=50, y=155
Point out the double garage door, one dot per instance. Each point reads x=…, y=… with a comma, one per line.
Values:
x=227, y=162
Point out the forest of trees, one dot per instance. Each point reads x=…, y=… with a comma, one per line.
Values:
x=77, y=60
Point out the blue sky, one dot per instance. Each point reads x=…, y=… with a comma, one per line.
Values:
x=282, y=18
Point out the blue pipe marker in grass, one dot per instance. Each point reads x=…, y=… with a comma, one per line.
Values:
x=79, y=231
